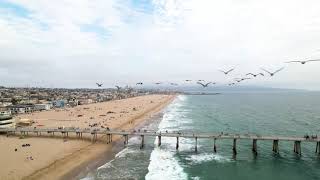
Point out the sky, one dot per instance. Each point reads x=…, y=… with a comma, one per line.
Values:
x=69, y=43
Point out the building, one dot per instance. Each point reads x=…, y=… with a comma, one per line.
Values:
x=21, y=109
x=6, y=119
x=42, y=107
x=84, y=101
x=59, y=103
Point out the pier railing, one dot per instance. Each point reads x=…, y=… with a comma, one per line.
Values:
x=94, y=132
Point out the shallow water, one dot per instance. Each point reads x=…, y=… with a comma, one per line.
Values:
x=260, y=113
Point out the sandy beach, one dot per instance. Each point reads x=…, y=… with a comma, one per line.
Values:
x=58, y=158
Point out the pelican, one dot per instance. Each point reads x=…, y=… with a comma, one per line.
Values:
x=303, y=62
x=139, y=83
x=255, y=75
x=241, y=79
x=272, y=73
x=227, y=72
x=204, y=85
x=99, y=85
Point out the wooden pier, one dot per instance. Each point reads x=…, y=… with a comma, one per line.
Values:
x=94, y=132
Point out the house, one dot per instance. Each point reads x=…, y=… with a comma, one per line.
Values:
x=83, y=101
x=59, y=103
x=6, y=119
x=42, y=107
x=21, y=109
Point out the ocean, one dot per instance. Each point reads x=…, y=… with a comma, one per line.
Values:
x=274, y=113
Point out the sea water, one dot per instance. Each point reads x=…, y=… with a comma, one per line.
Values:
x=285, y=114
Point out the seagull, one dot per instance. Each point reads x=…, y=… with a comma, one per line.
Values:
x=99, y=85
x=204, y=85
x=230, y=84
x=255, y=75
x=272, y=73
x=303, y=62
x=241, y=79
x=158, y=83
x=139, y=83
x=227, y=72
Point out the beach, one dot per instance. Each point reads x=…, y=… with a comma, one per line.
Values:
x=58, y=158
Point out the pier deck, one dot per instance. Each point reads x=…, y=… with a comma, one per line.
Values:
x=215, y=136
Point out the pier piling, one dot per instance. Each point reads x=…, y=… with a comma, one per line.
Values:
x=318, y=148
x=234, y=148
x=108, y=138
x=142, y=142
x=254, y=147
x=159, y=141
x=196, y=145
x=275, y=147
x=214, y=145
x=297, y=147
x=126, y=139
x=177, y=145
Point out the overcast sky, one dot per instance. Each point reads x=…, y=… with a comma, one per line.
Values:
x=75, y=43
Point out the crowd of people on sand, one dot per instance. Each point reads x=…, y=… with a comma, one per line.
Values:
x=29, y=158
x=25, y=145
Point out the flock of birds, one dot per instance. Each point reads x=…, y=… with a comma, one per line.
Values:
x=250, y=75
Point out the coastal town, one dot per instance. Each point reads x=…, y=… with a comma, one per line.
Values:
x=58, y=157
x=19, y=101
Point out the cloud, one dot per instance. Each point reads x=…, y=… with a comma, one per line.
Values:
x=124, y=41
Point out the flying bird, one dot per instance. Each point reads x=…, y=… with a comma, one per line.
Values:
x=204, y=85
x=174, y=84
x=241, y=79
x=255, y=75
x=201, y=80
x=118, y=87
x=227, y=72
x=272, y=73
x=158, y=83
x=99, y=85
x=139, y=83
x=188, y=80
x=303, y=62
x=231, y=84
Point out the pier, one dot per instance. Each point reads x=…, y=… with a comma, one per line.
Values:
x=94, y=132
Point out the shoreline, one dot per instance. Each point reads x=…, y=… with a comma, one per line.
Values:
x=117, y=147
x=94, y=155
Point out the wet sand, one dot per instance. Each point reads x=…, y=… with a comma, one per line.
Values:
x=55, y=158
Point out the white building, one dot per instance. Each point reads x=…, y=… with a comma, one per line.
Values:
x=42, y=107
x=6, y=119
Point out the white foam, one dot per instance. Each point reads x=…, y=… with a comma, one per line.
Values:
x=108, y=164
x=164, y=165
x=87, y=178
x=124, y=152
x=195, y=178
x=206, y=157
